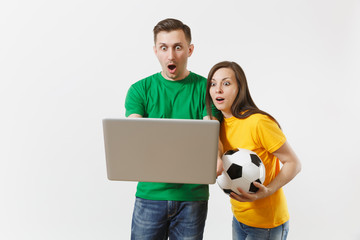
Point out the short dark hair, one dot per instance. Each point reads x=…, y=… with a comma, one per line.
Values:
x=171, y=24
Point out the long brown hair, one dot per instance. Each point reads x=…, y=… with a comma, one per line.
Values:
x=243, y=105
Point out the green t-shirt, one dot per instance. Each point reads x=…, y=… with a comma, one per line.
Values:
x=156, y=97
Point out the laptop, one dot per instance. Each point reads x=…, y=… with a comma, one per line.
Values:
x=161, y=150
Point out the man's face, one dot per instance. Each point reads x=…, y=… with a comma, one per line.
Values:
x=172, y=50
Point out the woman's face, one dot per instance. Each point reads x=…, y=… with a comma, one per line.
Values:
x=223, y=90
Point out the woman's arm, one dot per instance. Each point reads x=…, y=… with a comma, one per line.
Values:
x=219, y=166
x=291, y=167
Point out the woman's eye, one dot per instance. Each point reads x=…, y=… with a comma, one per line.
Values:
x=212, y=84
x=226, y=83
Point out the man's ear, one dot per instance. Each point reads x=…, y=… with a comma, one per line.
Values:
x=155, y=50
x=191, y=50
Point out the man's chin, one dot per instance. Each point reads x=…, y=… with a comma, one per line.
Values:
x=172, y=77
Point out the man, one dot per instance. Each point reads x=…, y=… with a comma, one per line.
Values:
x=163, y=210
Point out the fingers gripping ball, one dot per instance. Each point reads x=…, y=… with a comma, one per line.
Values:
x=241, y=168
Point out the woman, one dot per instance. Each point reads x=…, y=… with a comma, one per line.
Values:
x=264, y=214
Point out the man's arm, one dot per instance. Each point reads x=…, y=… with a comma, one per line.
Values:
x=134, y=101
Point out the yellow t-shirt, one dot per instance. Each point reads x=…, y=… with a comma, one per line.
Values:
x=260, y=134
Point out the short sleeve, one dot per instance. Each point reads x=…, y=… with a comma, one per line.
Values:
x=134, y=102
x=269, y=134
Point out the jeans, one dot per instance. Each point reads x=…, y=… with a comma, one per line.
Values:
x=241, y=231
x=158, y=220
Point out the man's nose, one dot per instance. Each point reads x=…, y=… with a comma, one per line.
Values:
x=171, y=54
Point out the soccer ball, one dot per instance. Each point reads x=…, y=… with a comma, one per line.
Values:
x=241, y=168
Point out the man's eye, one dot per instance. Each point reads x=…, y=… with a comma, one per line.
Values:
x=177, y=47
x=163, y=48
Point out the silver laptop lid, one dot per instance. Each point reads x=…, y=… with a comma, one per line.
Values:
x=161, y=150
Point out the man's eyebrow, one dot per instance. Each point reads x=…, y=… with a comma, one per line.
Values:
x=175, y=44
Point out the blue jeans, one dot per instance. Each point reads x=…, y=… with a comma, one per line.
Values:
x=158, y=220
x=241, y=231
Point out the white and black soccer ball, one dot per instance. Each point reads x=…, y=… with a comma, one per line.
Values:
x=242, y=167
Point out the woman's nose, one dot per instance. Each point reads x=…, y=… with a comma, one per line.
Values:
x=218, y=89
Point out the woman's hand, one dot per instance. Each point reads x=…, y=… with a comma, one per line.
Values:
x=219, y=167
x=250, y=197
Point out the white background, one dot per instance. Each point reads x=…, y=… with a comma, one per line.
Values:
x=65, y=65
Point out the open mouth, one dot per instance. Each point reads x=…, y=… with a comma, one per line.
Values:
x=219, y=99
x=172, y=68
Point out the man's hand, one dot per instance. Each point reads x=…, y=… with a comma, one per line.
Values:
x=135, y=115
